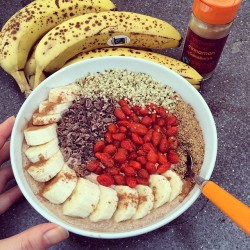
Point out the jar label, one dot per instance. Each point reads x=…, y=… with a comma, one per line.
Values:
x=201, y=53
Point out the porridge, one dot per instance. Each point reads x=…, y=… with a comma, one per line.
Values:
x=108, y=153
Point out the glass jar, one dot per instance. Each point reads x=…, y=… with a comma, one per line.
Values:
x=207, y=33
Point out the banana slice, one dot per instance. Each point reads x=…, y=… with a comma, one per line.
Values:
x=146, y=201
x=45, y=170
x=42, y=152
x=92, y=177
x=37, y=135
x=64, y=94
x=49, y=108
x=127, y=203
x=161, y=189
x=84, y=199
x=44, y=119
x=175, y=183
x=106, y=206
x=61, y=186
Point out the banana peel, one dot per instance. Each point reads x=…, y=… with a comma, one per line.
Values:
x=181, y=68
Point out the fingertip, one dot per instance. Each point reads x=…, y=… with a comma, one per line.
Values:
x=10, y=120
x=55, y=235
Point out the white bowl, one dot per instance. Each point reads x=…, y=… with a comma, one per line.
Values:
x=70, y=74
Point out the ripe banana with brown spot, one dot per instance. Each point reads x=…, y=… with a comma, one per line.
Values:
x=98, y=30
x=186, y=71
x=30, y=23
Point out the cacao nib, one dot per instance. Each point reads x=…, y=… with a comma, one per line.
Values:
x=80, y=127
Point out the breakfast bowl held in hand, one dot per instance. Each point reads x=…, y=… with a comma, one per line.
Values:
x=100, y=146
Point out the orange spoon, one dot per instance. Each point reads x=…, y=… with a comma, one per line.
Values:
x=227, y=203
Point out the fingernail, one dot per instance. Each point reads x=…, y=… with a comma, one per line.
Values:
x=12, y=117
x=56, y=235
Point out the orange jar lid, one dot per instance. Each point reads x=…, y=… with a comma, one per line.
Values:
x=216, y=11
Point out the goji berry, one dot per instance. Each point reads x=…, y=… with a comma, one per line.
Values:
x=124, y=151
x=136, y=109
x=122, y=129
x=144, y=111
x=128, y=145
x=172, y=121
x=143, y=173
x=112, y=171
x=131, y=182
x=142, y=159
x=118, y=136
x=140, y=152
x=108, y=137
x=142, y=181
x=163, y=145
x=135, y=164
x=148, y=147
x=132, y=156
x=158, y=128
x=119, y=114
x=123, y=166
x=137, y=139
x=129, y=171
x=123, y=123
x=93, y=165
x=109, y=149
x=156, y=138
x=126, y=110
x=172, y=131
x=173, y=157
x=105, y=180
x=163, y=168
x=160, y=121
x=134, y=117
x=120, y=157
x=116, y=144
x=120, y=179
x=99, y=170
x=153, y=117
x=105, y=159
x=138, y=128
x=151, y=168
x=147, y=121
x=108, y=162
x=99, y=146
x=112, y=128
x=152, y=156
x=148, y=137
x=162, y=159
x=122, y=102
x=98, y=155
x=162, y=112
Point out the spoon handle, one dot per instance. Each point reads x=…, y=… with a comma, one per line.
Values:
x=227, y=203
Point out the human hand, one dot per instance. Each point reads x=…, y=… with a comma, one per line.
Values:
x=39, y=237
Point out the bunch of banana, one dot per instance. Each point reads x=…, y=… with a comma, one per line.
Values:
x=99, y=30
x=179, y=67
x=29, y=24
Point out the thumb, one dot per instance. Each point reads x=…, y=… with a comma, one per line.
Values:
x=39, y=237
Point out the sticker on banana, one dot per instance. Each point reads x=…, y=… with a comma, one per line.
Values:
x=30, y=23
x=104, y=29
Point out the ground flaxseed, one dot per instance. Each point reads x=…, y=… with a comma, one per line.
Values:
x=190, y=138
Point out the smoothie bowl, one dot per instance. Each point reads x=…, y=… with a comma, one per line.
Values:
x=100, y=146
